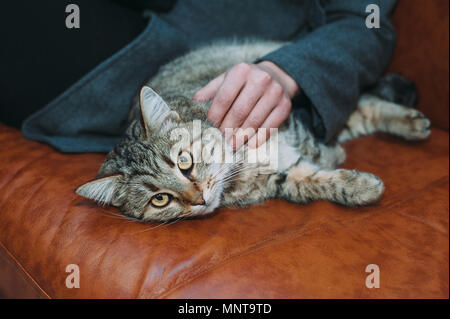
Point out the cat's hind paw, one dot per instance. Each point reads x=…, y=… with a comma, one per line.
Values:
x=415, y=126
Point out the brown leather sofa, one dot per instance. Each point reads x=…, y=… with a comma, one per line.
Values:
x=276, y=250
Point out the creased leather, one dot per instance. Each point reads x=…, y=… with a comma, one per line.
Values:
x=276, y=249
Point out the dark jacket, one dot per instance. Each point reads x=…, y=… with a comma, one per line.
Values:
x=332, y=56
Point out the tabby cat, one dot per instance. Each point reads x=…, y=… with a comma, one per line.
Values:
x=151, y=176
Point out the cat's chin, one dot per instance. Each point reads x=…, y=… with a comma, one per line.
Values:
x=210, y=207
x=206, y=209
x=212, y=197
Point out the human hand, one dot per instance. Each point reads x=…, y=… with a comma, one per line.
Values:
x=249, y=97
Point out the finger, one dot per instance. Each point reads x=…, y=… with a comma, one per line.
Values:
x=242, y=105
x=232, y=84
x=209, y=90
x=260, y=112
x=278, y=115
x=239, y=137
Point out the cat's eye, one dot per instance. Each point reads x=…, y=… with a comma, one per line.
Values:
x=185, y=161
x=160, y=200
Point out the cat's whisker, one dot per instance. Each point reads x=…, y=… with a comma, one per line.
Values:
x=151, y=228
x=230, y=177
x=121, y=217
x=236, y=173
x=238, y=167
x=241, y=168
x=166, y=223
x=222, y=169
x=176, y=220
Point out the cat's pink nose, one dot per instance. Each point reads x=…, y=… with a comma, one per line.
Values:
x=199, y=200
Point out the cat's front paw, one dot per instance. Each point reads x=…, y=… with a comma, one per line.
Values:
x=361, y=188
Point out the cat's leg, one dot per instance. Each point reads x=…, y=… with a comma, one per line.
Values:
x=376, y=115
x=324, y=156
x=305, y=182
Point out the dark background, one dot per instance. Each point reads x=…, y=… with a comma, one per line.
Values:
x=40, y=57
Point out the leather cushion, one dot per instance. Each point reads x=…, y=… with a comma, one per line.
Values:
x=276, y=249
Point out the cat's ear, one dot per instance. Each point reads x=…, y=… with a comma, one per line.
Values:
x=154, y=111
x=101, y=189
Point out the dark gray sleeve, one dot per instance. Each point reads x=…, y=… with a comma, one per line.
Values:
x=333, y=62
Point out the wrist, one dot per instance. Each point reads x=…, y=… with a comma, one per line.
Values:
x=290, y=86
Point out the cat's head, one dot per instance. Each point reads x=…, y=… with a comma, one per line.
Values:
x=163, y=169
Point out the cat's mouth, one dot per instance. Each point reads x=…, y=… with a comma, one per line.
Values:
x=199, y=209
x=211, y=202
x=211, y=192
x=205, y=209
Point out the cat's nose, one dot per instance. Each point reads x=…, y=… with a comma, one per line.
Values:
x=199, y=200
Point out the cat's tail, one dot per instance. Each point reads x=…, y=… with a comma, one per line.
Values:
x=395, y=88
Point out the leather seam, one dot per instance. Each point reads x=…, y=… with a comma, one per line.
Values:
x=26, y=275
